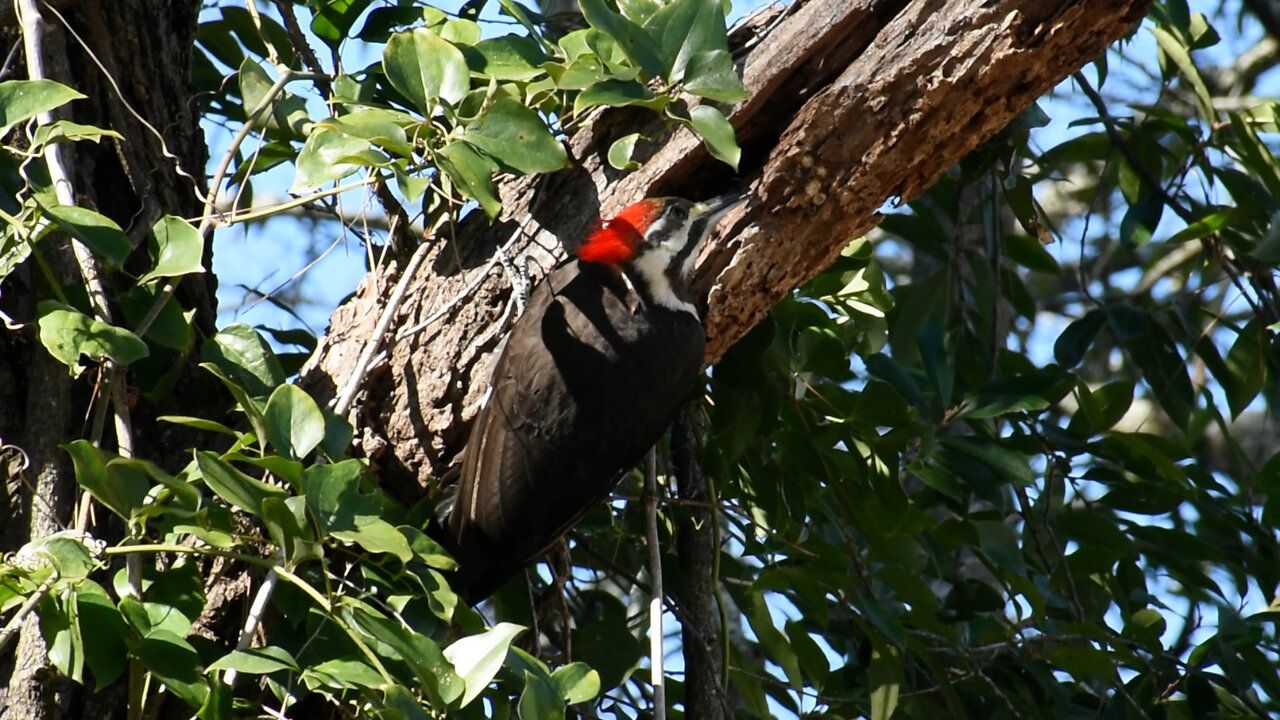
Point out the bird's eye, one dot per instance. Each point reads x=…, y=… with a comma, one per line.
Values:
x=678, y=213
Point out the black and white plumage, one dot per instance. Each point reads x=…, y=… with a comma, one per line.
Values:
x=591, y=376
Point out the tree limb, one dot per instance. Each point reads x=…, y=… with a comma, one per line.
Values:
x=851, y=103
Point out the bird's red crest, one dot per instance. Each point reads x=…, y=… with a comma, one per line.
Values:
x=614, y=242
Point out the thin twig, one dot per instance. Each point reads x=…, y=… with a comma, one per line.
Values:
x=344, y=399
x=15, y=622
x=303, y=48
x=206, y=221
x=254, y=619
x=656, y=672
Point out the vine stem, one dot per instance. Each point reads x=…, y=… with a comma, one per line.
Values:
x=657, y=675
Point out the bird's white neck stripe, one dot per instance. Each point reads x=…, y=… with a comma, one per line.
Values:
x=652, y=267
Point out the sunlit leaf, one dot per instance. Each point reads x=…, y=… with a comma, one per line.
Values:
x=717, y=133
x=478, y=657
x=21, y=100
x=69, y=334
x=517, y=137
x=426, y=68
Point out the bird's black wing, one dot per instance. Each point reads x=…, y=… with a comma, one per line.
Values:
x=584, y=387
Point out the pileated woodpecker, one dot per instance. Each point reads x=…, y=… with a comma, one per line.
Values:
x=592, y=374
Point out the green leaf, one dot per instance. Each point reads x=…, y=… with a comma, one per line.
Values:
x=539, y=700
x=252, y=408
x=244, y=356
x=295, y=425
x=60, y=626
x=1155, y=353
x=1202, y=228
x=1029, y=252
x=576, y=682
x=342, y=511
x=1181, y=56
x=384, y=128
x=634, y=40
x=337, y=435
x=68, y=333
x=104, y=646
x=775, y=644
x=717, y=133
x=710, y=74
x=477, y=658
x=13, y=252
x=67, y=552
x=382, y=22
x=1103, y=409
x=255, y=661
x=1006, y=464
x=1146, y=626
x=613, y=93
x=198, y=424
x=508, y=57
x=333, y=19
x=426, y=67
x=21, y=100
x=884, y=678
x=421, y=653
x=1074, y=342
x=638, y=10
x=100, y=233
x=1141, y=218
x=459, y=31
x=286, y=114
x=234, y=486
x=122, y=488
x=1246, y=367
x=685, y=28
x=67, y=131
x=516, y=136
x=427, y=550
x=172, y=327
x=171, y=659
x=621, y=150
x=398, y=699
x=286, y=522
x=472, y=173
x=178, y=249
x=330, y=155
x=342, y=674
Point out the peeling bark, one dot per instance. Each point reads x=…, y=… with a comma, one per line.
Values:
x=852, y=103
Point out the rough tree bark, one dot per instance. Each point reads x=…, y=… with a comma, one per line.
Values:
x=146, y=46
x=851, y=104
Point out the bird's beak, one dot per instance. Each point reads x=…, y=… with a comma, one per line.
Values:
x=710, y=211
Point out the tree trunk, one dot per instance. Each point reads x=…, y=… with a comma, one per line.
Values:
x=145, y=46
x=851, y=104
